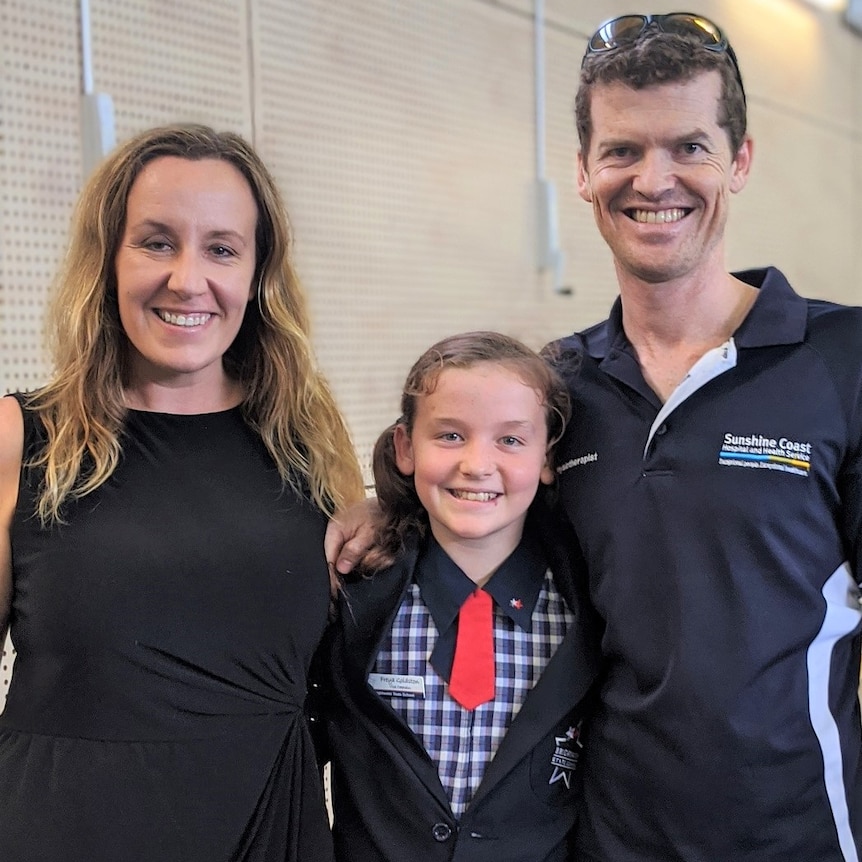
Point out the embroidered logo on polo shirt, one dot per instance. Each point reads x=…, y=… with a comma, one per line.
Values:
x=578, y=462
x=766, y=453
x=566, y=756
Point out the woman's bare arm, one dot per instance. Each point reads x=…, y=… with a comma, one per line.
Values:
x=11, y=453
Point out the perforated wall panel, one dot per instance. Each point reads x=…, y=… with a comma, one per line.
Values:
x=406, y=157
x=39, y=173
x=163, y=61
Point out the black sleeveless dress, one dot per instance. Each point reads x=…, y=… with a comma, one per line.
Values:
x=163, y=638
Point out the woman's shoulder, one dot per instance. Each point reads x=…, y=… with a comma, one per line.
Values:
x=20, y=419
x=11, y=454
x=11, y=427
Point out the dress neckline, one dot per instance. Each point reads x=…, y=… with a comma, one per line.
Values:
x=135, y=411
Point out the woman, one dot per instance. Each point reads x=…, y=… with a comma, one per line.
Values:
x=163, y=501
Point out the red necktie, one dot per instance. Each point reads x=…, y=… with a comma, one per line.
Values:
x=472, y=678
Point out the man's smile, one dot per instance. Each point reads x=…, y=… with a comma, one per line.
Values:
x=664, y=216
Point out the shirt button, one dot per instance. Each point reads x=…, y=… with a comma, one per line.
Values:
x=441, y=832
x=662, y=429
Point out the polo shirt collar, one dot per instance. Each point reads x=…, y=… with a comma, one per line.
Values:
x=515, y=586
x=779, y=316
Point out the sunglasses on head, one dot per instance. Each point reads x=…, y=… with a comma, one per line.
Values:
x=627, y=29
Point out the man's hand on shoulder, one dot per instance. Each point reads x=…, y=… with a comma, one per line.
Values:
x=350, y=534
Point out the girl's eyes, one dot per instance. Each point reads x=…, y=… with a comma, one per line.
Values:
x=509, y=440
x=223, y=251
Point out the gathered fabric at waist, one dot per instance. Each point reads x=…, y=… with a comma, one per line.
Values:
x=156, y=696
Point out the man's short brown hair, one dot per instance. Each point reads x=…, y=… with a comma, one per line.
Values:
x=660, y=58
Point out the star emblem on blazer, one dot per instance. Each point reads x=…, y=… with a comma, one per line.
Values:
x=566, y=756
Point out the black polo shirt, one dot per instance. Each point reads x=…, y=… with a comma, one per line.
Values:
x=721, y=532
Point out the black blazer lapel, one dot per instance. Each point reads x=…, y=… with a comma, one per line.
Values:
x=564, y=683
x=369, y=607
x=572, y=669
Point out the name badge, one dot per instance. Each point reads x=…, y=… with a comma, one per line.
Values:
x=397, y=685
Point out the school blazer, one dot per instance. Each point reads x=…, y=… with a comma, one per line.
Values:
x=388, y=801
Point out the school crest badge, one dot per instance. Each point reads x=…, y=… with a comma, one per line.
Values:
x=566, y=756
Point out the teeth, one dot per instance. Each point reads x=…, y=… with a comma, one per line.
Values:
x=184, y=319
x=660, y=217
x=476, y=496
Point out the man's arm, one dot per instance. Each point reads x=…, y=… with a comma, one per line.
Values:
x=350, y=534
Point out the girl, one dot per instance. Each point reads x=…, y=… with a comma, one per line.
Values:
x=457, y=673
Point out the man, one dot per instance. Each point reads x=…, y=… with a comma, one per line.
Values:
x=713, y=473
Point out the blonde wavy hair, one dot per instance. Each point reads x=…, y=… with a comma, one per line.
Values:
x=286, y=399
